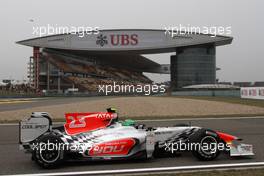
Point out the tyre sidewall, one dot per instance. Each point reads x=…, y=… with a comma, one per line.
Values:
x=38, y=154
x=199, y=137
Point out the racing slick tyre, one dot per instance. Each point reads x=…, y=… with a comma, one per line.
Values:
x=208, y=142
x=49, y=153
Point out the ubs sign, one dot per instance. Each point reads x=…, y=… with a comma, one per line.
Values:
x=117, y=40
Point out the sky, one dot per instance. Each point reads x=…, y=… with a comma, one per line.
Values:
x=241, y=61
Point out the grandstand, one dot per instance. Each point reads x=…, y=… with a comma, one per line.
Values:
x=66, y=61
x=62, y=71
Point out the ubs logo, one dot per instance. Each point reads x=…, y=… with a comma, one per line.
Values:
x=118, y=40
x=101, y=40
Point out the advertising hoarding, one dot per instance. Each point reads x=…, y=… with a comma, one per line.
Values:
x=252, y=92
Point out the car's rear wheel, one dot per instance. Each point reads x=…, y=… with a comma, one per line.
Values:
x=49, y=152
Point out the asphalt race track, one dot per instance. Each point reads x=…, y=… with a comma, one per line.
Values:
x=14, y=161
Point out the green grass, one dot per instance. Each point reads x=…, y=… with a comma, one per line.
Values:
x=234, y=100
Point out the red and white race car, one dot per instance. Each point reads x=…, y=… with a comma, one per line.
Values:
x=101, y=136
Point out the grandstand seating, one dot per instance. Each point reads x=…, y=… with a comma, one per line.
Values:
x=90, y=76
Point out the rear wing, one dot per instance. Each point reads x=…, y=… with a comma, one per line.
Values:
x=33, y=127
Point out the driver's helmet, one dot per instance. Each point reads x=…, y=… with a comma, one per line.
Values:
x=114, y=111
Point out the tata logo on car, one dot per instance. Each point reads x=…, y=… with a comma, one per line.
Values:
x=106, y=116
x=118, y=39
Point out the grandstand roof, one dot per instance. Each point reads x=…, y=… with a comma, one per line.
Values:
x=211, y=86
x=137, y=41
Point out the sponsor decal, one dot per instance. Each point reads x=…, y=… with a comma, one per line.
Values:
x=83, y=122
x=252, y=92
x=116, y=147
x=33, y=126
x=124, y=39
x=118, y=40
x=101, y=40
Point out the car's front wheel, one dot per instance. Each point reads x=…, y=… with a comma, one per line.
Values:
x=208, y=146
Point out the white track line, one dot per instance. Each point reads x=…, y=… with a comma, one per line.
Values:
x=157, y=169
x=164, y=120
x=8, y=124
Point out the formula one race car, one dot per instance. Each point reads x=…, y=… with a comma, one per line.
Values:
x=101, y=136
